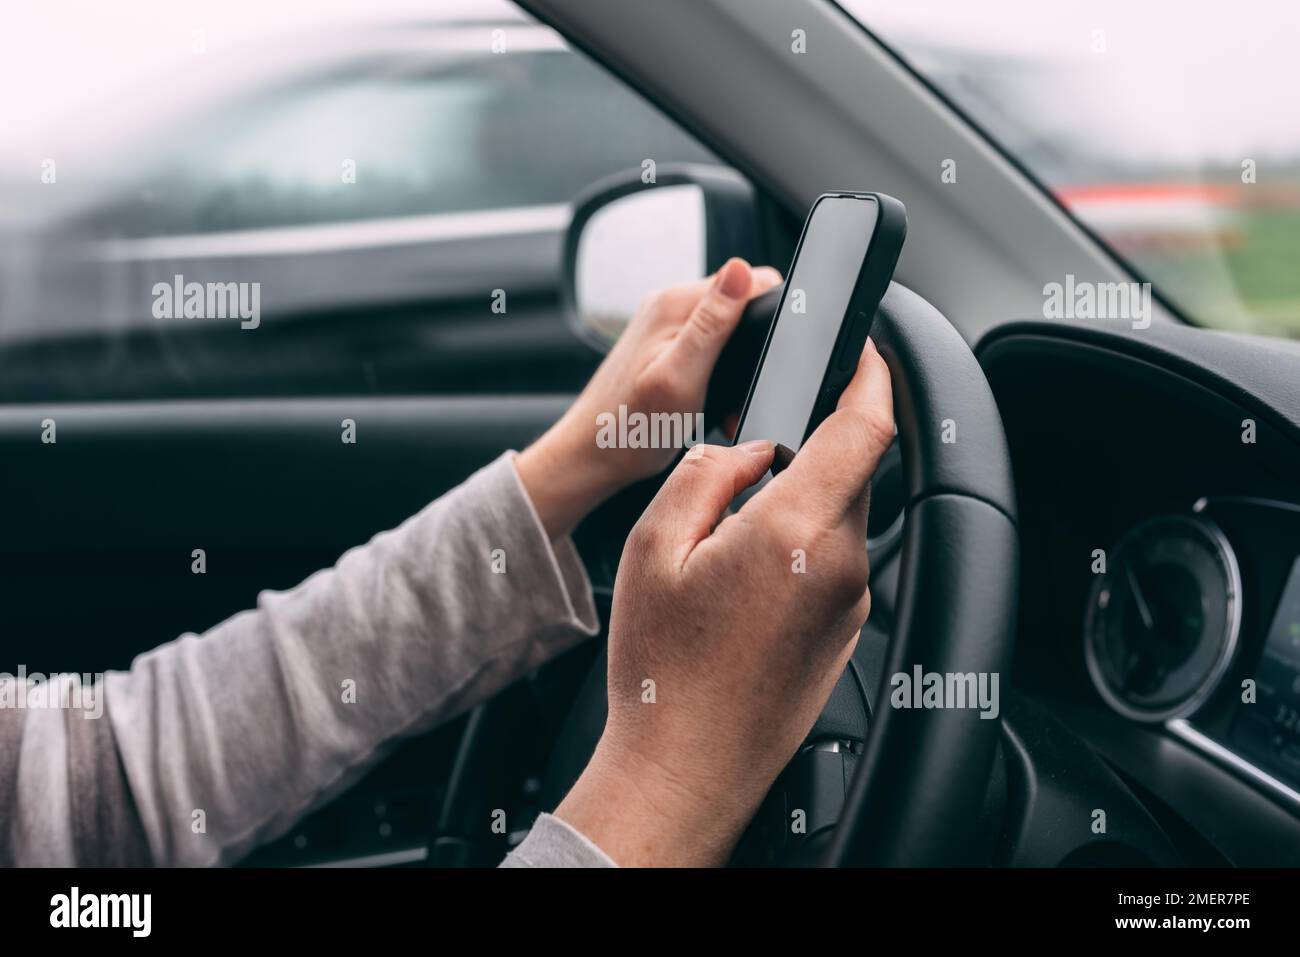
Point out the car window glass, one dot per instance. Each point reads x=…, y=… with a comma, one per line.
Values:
x=1170, y=133
x=482, y=132
x=382, y=193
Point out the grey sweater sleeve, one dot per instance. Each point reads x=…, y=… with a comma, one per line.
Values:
x=553, y=843
x=213, y=744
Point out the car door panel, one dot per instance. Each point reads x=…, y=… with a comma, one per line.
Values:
x=475, y=314
x=100, y=525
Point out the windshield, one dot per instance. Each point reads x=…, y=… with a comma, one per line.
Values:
x=1170, y=129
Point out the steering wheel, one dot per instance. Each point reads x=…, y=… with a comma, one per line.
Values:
x=922, y=775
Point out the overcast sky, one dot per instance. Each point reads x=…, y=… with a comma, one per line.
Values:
x=1179, y=78
x=72, y=61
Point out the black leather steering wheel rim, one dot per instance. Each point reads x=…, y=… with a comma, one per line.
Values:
x=916, y=795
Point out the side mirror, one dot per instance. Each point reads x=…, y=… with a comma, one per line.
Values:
x=637, y=242
x=628, y=238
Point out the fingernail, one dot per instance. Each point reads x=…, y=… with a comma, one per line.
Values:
x=733, y=279
x=756, y=447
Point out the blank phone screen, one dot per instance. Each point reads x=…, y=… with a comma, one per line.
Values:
x=807, y=328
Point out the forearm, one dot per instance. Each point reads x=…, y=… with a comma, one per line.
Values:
x=564, y=474
x=225, y=740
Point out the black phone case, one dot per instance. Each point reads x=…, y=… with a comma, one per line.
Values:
x=855, y=325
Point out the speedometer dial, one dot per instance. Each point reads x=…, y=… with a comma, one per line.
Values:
x=1163, y=620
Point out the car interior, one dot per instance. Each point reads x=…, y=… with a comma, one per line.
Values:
x=1089, y=454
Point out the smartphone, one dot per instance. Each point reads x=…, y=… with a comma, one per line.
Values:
x=842, y=267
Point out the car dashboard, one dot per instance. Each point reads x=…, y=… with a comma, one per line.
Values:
x=1160, y=567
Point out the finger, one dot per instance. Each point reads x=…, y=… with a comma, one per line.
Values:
x=697, y=492
x=840, y=457
x=670, y=306
x=765, y=277
x=706, y=330
x=677, y=302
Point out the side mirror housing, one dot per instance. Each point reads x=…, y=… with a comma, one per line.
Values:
x=628, y=238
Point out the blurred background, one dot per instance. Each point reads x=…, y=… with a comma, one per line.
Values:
x=149, y=139
x=381, y=168
x=1138, y=117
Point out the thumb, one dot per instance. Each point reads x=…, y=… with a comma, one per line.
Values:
x=700, y=340
x=697, y=493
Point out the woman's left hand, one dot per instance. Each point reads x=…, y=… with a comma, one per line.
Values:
x=661, y=364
